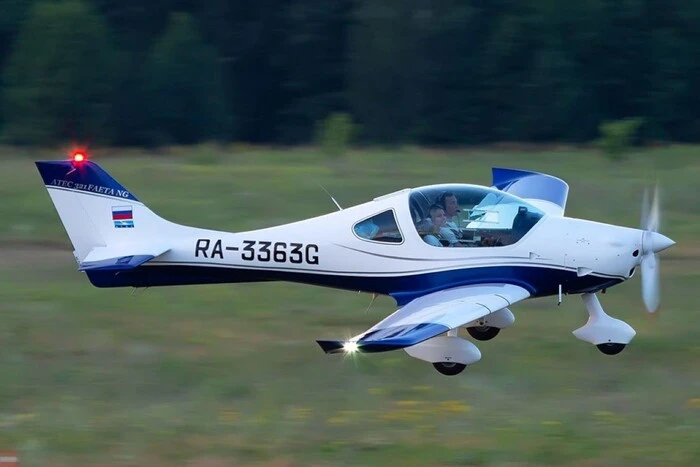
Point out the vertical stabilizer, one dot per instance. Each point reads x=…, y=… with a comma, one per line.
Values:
x=96, y=210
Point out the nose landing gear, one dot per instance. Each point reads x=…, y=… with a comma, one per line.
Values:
x=611, y=348
x=610, y=335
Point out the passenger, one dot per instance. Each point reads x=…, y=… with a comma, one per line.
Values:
x=439, y=233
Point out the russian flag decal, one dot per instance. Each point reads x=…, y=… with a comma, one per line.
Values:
x=122, y=216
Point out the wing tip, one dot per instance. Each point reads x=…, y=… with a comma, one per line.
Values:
x=335, y=347
x=387, y=339
x=330, y=347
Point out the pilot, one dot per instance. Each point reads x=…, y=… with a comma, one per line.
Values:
x=448, y=201
x=439, y=234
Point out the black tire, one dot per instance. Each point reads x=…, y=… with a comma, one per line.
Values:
x=483, y=333
x=611, y=348
x=449, y=369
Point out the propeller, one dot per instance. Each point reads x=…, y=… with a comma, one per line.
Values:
x=652, y=243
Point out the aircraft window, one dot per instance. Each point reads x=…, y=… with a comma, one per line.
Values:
x=379, y=228
x=470, y=216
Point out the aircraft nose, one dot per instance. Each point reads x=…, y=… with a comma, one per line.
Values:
x=660, y=242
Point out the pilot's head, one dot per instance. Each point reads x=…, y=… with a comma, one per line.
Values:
x=437, y=215
x=448, y=200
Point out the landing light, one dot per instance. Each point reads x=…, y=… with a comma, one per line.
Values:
x=350, y=347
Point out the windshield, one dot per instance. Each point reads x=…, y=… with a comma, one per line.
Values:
x=470, y=216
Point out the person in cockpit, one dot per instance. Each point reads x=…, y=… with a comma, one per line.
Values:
x=449, y=202
x=439, y=234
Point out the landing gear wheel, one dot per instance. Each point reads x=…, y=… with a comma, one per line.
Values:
x=449, y=369
x=483, y=333
x=611, y=348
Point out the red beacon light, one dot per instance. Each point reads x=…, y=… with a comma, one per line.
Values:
x=78, y=157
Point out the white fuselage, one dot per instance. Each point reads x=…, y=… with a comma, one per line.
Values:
x=579, y=255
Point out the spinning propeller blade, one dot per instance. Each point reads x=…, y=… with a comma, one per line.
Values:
x=645, y=209
x=650, y=282
x=652, y=242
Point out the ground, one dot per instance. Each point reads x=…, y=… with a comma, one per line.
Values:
x=212, y=376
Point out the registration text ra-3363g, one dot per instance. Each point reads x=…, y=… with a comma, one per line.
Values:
x=259, y=250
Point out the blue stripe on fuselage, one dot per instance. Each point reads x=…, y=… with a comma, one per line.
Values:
x=539, y=281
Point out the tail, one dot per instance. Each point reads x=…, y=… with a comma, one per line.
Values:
x=108, y=227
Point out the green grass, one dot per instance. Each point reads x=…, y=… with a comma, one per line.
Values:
x=231, y=374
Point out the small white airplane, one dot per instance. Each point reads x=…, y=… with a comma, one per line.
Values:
x=452, y=255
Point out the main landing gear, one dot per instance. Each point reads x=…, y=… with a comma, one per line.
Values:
x=448, y=354
x=449, y=368
x=487, y=327
x=483, y=333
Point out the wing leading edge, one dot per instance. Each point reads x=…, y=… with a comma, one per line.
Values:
x=430, y=316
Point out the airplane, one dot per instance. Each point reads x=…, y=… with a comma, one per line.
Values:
x=452, y=255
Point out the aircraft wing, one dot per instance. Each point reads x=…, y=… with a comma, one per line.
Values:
x=431, y=315
x=120, y=257
x=547, y=192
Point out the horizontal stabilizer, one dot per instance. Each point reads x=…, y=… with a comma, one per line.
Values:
x=124, y=257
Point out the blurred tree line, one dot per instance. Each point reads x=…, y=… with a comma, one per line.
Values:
x=134, y=72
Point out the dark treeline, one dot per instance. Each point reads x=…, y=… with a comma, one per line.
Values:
x=134, y=72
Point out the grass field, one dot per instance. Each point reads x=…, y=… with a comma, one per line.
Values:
x=212, y=376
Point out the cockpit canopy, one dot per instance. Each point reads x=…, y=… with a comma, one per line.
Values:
x=470, y=216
